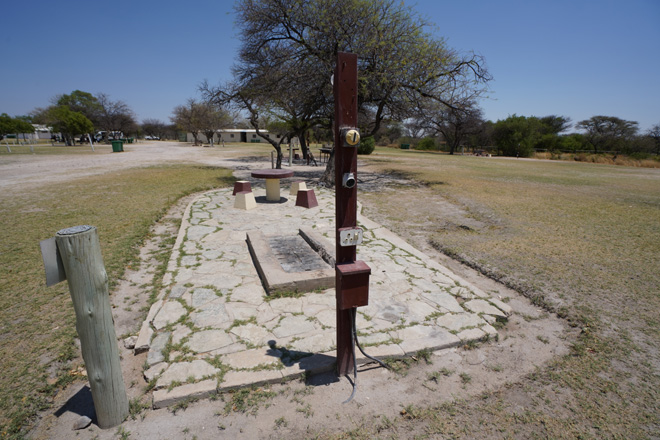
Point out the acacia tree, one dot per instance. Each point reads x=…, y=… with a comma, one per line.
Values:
x=397, y=60
x=605, y=133
x=115, y=116
x=154, y=127
x=455, y=123
x=211, y=118
x=185, y=118
x=654, y=133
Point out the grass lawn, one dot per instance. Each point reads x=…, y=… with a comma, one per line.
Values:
x=37, y=327
x=581, y=240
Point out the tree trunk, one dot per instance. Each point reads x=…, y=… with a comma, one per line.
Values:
x=328, y=177
x=80, y=250
x=303, y=145
x=278, y=161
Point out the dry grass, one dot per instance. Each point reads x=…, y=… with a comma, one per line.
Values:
x=38, y=326
x=605, y=159
x=582, y=240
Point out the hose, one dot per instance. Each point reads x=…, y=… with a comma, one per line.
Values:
x=354, y=342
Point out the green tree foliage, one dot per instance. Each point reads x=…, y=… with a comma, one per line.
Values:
x=428, y=144
x=517, y=135
x=520, y=136
x=572, y=142
x=68, y=123
x=288, y=53
x=367, y=145
x=9, y=125
x=609, y=133
x=82, y=102
x=554, y=124
x=654, y=133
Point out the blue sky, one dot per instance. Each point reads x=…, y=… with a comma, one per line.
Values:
x=576, y=58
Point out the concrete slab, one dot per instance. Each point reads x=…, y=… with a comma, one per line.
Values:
x=199, y=390
x=415, y=303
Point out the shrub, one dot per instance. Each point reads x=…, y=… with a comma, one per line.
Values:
x=367, y=145
x=428, y=143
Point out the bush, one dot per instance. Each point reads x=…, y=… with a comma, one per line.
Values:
x=367, y=145
x=428, y=143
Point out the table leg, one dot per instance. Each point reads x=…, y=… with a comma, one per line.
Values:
x=273, y=190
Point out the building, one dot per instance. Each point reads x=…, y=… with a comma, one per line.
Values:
x=232, y=135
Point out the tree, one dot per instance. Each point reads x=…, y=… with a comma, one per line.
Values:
x=608, y=133
x=154, y=127
x=68, y=123
x=9, y=125
x=517, y=135
x=115, y=116
x=288, y=53
x=212, y=118
x=187, y=118
x=554, y=124
x=654, y=133
x=82, y=102
x=454, y=123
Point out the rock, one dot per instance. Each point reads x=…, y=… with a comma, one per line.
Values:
x=82, y=423
x=129, y=342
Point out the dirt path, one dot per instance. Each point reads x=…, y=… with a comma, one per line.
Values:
x=295, y=409
x=30, y=170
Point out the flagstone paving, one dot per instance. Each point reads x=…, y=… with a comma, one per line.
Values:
x=215, y=328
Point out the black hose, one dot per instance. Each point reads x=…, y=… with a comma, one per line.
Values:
x=354, y=342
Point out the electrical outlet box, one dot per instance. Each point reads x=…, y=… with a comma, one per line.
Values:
x=350, y=236
x=352, y=284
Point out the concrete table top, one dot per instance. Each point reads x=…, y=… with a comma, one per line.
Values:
x=272, y=177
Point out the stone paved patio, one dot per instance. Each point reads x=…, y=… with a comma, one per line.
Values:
x=214, y=328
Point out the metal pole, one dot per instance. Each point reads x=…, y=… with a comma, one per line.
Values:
x=345, y=92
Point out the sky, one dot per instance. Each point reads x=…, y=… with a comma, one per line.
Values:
x=574, y=58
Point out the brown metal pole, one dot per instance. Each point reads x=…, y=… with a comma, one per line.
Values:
x=345, y=91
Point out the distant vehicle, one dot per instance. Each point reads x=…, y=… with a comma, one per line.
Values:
x=151, y=138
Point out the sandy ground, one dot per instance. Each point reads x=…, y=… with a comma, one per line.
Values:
x=530, y=339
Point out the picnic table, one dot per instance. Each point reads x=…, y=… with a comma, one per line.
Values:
x=325, y=153
x=272, y=177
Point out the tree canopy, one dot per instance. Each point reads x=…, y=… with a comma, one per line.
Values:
x=288, y=52
x=102, y=112
x=608, y=133
x=68, y=122
x=9, y=125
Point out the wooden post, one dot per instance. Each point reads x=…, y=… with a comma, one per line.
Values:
x=80, y=250
x=345, y=91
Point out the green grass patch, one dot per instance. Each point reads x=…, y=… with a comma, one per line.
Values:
x=249, y=400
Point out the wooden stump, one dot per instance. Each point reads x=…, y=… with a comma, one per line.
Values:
x=80, y=250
